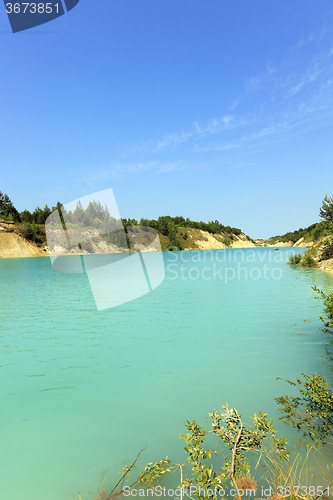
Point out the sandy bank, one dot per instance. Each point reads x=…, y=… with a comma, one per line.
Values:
x=12, y=245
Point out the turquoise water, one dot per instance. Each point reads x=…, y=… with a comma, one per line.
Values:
x=83, y=391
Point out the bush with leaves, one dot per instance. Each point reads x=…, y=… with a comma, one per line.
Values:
x=33, y=232
x=148, y=477
x=28, y=231
x=86, y=246
x=295, y=259
x=328, y=303
x=308, y=260
x=312, y=412
x=327, y=250
x=239, y=440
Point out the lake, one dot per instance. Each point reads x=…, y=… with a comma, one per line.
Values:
x=84, y=391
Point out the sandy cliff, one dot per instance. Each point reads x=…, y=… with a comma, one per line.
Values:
x=206, y=241
x=13, y=245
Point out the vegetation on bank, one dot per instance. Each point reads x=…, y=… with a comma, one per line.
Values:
x=28, y=225
x=174, y=231
x=305, y=260
x=226, y=470
x=318, y=253
x=315, y=231
x=311, y=233
x=328, y=305
x=311, y=413
x=319, y=235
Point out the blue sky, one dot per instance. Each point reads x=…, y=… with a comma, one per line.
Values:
x=219, y=109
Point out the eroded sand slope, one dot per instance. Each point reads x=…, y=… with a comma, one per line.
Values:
x=13, y=245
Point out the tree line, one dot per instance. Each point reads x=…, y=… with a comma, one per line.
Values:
x=95, y=214
x=9, y=213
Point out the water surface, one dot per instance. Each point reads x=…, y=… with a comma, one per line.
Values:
x=83, y=390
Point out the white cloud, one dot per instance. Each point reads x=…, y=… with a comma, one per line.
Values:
x=104, y=174
x=213, y=126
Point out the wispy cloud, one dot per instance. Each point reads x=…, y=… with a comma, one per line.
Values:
x=315, y=36
x=287, y=95
x=272, y=129
x=122, y=170
x=212, y=127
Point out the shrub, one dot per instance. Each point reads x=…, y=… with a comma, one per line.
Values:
x=312, y=412
x=308, y=260
x=87, y=246
x=328, y=303
x=295, y=259
x=28, y=231
x=316, y=234
x=327, y=250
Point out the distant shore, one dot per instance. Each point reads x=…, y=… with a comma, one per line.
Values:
x=13, y=245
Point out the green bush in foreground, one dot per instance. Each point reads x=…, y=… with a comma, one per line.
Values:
x=312, y=413
x=238, y=440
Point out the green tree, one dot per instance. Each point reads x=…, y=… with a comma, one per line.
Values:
x=79, y=215
x=26, y=216
x=7, y=209
x=163, y=226
x=327, y=250
x=40, y=215
x=46, y=212
x=57, y=207
x=326, y=210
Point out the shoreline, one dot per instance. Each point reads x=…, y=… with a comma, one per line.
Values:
x=14, y=246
